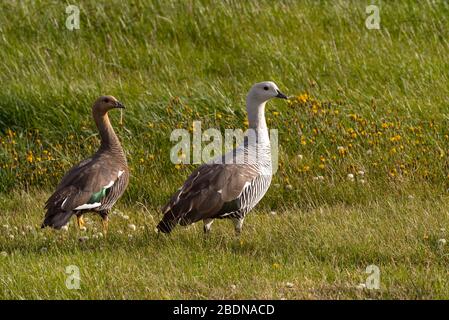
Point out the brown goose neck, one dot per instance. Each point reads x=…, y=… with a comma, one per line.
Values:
x=109, y=140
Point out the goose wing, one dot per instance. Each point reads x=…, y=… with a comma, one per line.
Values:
x=208, y=192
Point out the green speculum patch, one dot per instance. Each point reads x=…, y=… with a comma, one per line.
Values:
x=98, y=196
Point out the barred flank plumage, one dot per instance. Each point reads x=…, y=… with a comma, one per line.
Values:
x=115, y=192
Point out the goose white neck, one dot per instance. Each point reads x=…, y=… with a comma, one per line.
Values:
x=256, y=118
x=256, y=113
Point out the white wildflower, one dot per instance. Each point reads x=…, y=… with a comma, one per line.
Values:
x=361, y=286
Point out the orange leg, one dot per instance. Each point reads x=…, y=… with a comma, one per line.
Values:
x=80, y=221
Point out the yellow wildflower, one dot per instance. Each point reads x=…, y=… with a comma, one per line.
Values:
x=30, y=157
x=10, y=133
x=342, y=150
x=395, y=138
x=303, y=98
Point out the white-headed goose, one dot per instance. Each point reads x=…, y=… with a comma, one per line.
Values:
x=230, y=185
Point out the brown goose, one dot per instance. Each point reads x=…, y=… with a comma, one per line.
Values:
x=231, y=185
x=96, y=183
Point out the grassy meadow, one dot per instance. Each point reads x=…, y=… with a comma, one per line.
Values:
x=363, y=146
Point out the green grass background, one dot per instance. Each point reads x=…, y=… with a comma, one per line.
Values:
x=173, y=62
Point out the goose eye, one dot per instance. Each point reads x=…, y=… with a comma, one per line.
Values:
x=265, y=88
x=106, y=100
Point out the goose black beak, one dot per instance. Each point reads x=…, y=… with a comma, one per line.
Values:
x=119, y=105
x=281, y=95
